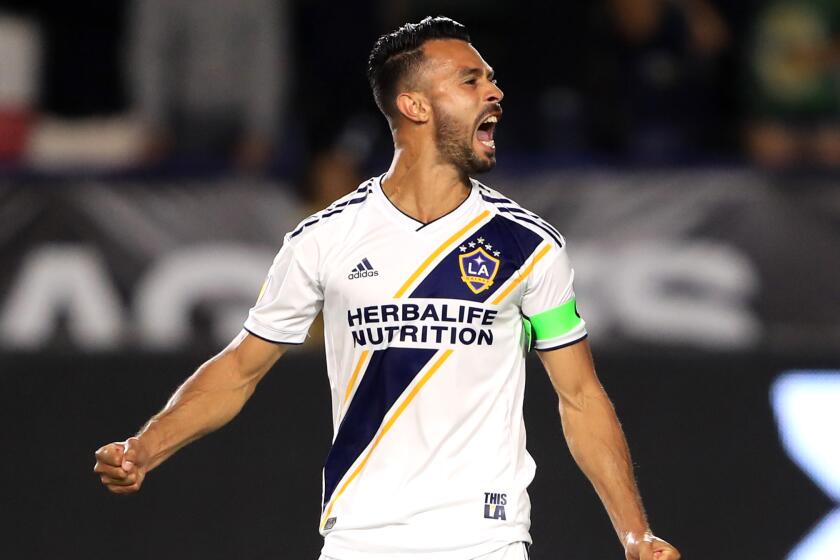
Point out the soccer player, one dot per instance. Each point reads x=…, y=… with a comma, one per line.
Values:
x=433, y=289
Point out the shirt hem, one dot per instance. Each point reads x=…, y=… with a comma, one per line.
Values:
x=270, y=335
x=338, y=552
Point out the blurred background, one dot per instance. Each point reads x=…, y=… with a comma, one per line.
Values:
x=154, y=152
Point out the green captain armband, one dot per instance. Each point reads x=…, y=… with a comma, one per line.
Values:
x=529, y=334
x=555, y=322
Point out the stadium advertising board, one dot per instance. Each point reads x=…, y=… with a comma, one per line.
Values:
x=717, y=261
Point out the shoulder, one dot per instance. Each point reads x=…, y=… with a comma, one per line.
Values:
x=320, y=223
x=507, y=208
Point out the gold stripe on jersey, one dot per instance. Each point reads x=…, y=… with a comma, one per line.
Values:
x=263, y=288
x=521, y=275
x=352, y=382
x=384, y=430
x=445, y=245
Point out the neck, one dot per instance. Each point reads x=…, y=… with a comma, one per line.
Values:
x=421, y=186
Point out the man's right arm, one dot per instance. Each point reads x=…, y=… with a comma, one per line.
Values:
x=208, y=400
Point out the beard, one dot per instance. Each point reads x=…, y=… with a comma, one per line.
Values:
x=454, y=141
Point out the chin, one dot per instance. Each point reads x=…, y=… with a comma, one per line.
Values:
x=473, y=160
x=487, y=166
x=482, y=158
x=482, y=163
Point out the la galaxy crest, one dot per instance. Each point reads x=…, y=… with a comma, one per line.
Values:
x=478, y=267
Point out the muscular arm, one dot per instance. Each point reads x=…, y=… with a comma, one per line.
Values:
x=210, y=398
x=599, y=447
x=594, y=436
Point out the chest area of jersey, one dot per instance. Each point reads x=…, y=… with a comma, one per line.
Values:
x=477, y=264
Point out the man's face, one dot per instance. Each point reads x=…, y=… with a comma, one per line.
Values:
x=465, y=102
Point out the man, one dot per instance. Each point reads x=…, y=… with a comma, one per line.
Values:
x=432, y=286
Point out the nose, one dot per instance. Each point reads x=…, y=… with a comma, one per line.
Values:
x=495, y=94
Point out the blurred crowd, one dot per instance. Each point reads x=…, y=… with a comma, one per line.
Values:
x=261, y=87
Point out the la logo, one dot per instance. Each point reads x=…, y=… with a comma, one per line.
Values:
x=478, y=269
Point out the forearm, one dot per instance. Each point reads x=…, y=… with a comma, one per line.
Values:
x=208, y=400
x=599, y=447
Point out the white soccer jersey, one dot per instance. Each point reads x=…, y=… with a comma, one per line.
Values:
x=427, y=328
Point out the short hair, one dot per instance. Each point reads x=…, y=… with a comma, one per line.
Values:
x=398, y=54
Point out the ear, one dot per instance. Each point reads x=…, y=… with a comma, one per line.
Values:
x=414, y=106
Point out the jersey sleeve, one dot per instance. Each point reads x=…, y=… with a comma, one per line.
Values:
x=549, y=304
x=290, y=299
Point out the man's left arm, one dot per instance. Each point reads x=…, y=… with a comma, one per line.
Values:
x=598, y=445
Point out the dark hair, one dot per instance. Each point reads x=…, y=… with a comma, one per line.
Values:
x=399, y=53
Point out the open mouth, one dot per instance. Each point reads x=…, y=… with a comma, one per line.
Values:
x=485, y=130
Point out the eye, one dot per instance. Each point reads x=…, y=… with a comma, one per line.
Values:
x=472, y=81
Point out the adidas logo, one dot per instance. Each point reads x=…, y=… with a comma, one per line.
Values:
x=363, y=270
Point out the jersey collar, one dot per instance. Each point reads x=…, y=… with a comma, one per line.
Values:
x=406, y=221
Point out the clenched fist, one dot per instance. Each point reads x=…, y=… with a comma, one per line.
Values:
x=648, y=547
x=122, y=466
